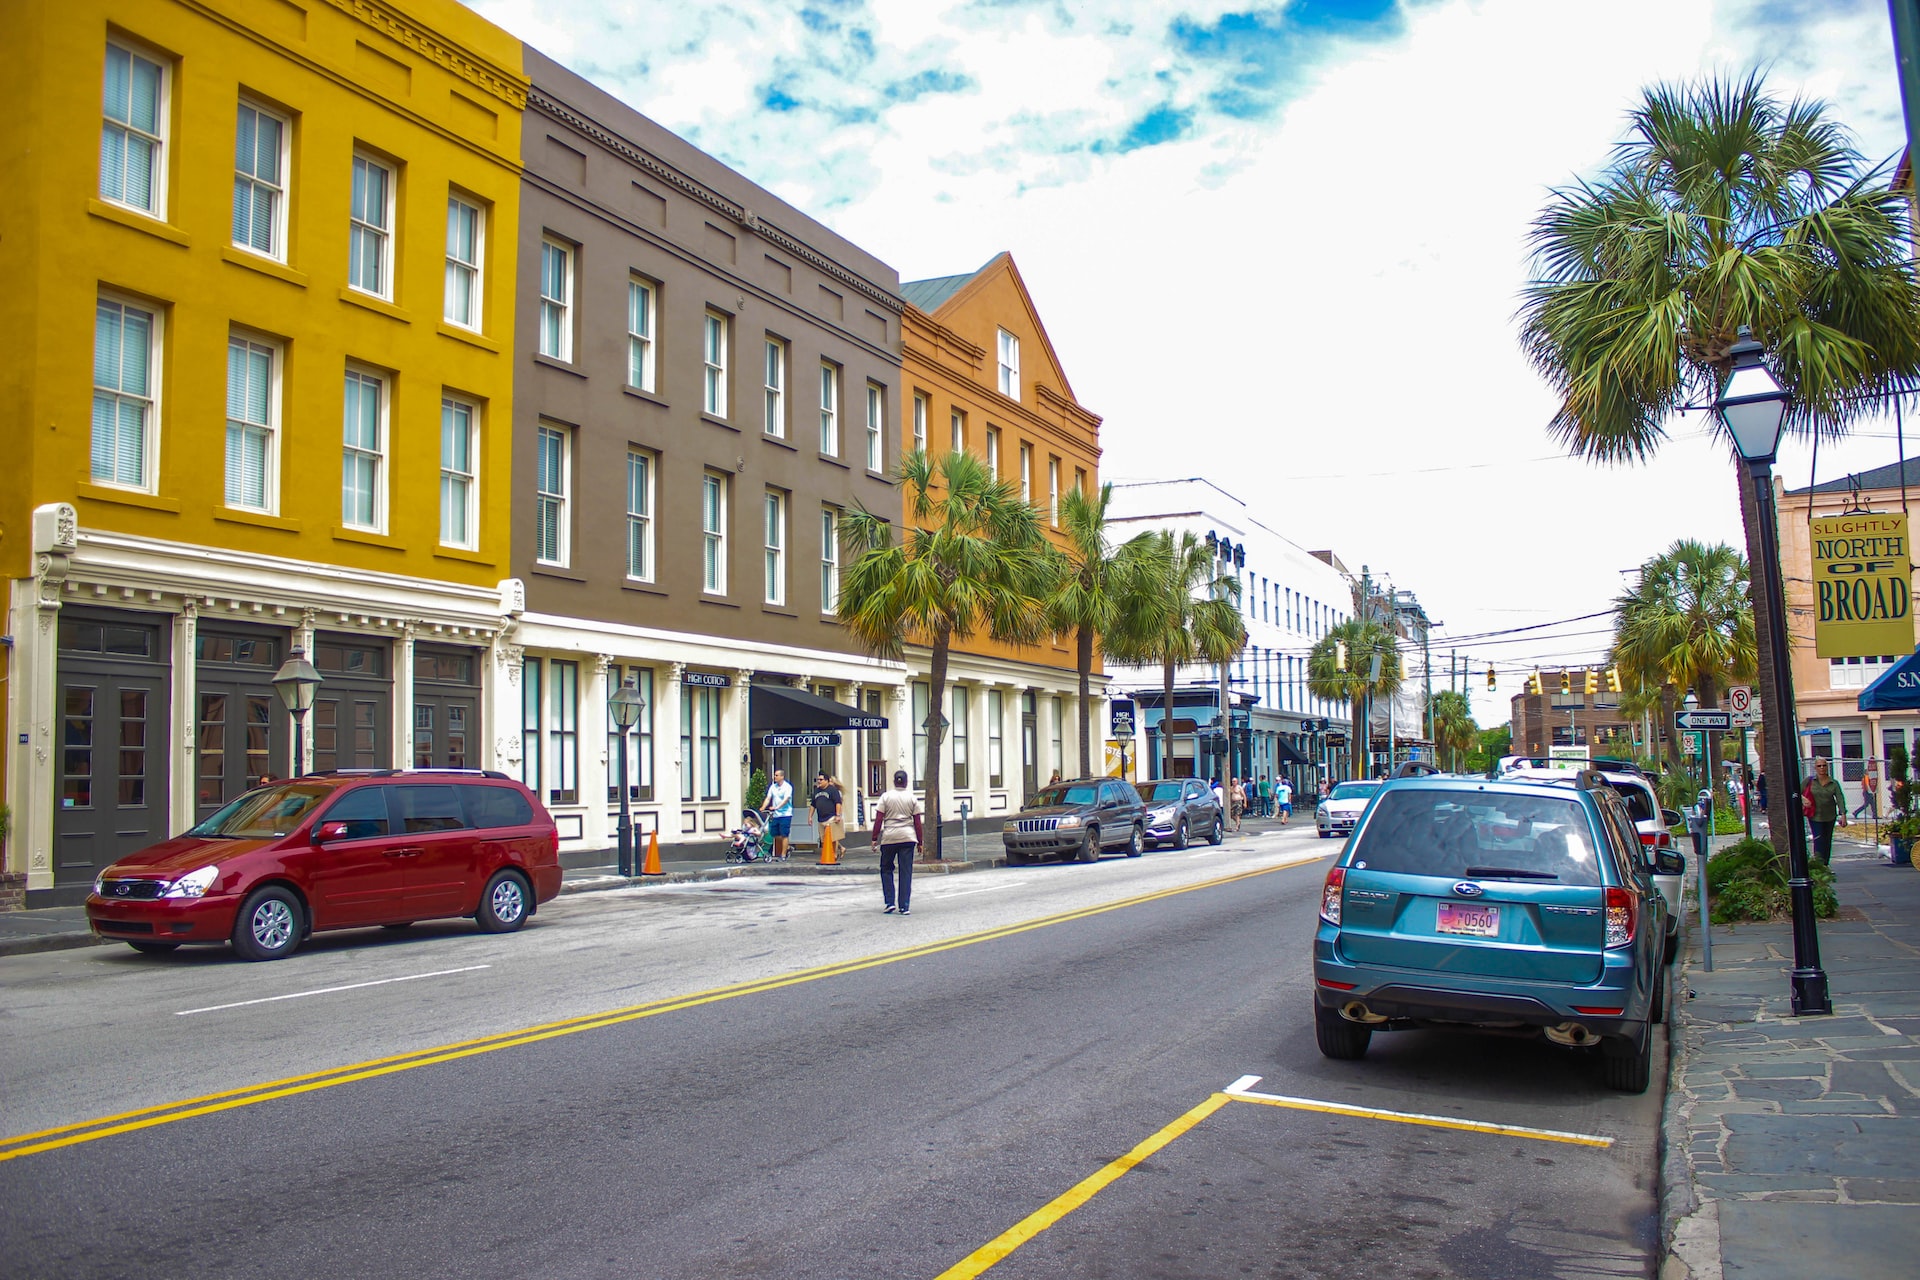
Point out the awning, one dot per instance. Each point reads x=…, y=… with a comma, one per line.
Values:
x=772, y=707
x=1291, y=755
x=1898, y=690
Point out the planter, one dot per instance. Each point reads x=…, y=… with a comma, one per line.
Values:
x=1902, y=853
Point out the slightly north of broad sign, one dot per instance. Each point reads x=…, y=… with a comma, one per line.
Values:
x=1863, y=585
x=1697, y=720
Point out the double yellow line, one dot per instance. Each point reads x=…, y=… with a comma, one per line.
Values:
x=28, y=1144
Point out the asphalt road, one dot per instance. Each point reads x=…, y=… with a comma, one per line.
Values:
x=797, y=1085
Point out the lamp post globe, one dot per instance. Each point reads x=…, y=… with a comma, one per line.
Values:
x=626, y=706
x=1753, y=406
x=296, y=682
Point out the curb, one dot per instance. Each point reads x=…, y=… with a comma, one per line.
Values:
x=601, y=884
x=1679, y=1200
x=51, y=942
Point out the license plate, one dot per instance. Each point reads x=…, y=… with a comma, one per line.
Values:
x=1475, y=921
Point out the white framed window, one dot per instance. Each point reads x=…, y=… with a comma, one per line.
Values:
x=1053, y=491
x=563, y=733
x=876, y=416
x=639, y=515
x=260, y=181
x=830, y=410
x=958, y=422
x=921, y=697
x=958, y=740
x=363, y=461
x=253, y=424
x=133, y=131
x=459, y=473
x=713, y=354
x=713, y=534
x=776, y=547
x=776, y=387
x=370, y=228
x=126, y=394
x=993, y=456
x=1009, y=365
x=1080, y=481
x=829, y=560
x=1026, y=473
x=466, y=239
x=642, y=303
x=639, y=738
x=996, y=733
x=553, y=489
x=920, y=423
x=556, y=299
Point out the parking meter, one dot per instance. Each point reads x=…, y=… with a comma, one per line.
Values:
x=1700, y=826
x=965, y=808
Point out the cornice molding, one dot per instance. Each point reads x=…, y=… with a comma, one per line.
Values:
x=508, y=86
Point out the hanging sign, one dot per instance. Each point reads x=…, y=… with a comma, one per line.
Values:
x=802, y=739
x=706, y=680
x=1862, y=585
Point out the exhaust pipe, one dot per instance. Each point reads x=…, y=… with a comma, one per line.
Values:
x=1572, y=1034
x=1355, y=1011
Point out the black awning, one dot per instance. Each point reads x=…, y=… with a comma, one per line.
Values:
x=778, y=707
x=1290, y=755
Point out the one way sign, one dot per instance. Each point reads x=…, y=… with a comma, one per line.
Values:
x=1697, y=720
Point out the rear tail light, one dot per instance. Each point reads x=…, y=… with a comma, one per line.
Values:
x=1650, y=837
x=1622, y=915
x=1330, y=895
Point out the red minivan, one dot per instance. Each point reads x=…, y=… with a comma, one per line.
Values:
x=337, y=851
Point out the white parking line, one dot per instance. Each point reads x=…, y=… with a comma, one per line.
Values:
x=323, y=991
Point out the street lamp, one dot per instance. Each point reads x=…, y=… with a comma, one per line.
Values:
x=626, y=705
x=295, y=682
x=1753, y=405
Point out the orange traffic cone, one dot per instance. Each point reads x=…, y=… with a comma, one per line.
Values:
x=829, y=856
x=651, y=867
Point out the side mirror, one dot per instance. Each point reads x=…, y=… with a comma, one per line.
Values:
x=1671, y=817
x=329, y=831
x=1668, y=863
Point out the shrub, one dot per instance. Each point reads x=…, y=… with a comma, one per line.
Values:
x=1748, y=897
x=756, y=788
x=1746, y=856
x=1826, y=901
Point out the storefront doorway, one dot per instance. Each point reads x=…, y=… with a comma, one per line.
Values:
x=114, y=709
x=353, y=709
x=446, y=701
x=239, y=729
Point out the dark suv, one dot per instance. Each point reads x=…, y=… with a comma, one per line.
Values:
x=1082, y=819
x=337, y=851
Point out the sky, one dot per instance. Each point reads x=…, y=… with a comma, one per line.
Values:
x=1278, y=245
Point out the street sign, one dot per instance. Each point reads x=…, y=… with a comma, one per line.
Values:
x=1740, y=698
x=1335, y=738
x=1698, y=720
x=1746, y=719
x=1121, y=710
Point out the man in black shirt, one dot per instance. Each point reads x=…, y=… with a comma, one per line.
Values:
x=826, y=801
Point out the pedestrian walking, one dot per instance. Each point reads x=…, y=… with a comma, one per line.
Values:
x=1284, y=799
x=896, y=830
x=1239, y=802
x=1760, y=789
x=1219, y=796
x=1055, y=779
x=1869, y=794
x=778, y=806
x=826, y=803
x=1266, y=795
x=1825, y=804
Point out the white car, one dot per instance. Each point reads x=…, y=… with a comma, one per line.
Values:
x=1336, y=815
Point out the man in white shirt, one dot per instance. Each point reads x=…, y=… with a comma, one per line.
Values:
x=897, y=833
x=778, y=806
x=1283, y=796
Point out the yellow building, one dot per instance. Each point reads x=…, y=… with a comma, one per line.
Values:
x=983, y=376
x=260, y=261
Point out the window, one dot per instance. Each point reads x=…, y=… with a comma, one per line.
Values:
x=641, y=304
x=530, y=708
x=259, y=182
x=370, y=222
x=551, y=522
x=829, y=560
x=1058, y=713
x=700, y=725
x=1080, y=481
x=1026, y=473
x=639, y=738
x=958, y=422
x=252, y=422
x=556, y=300
x=962, y=698
x=363, y=452
x=563, y=734
x=993, y=451
x=996, y=733
x=920, y=694
x=466, y=226
x=714, y=353
x=639, y=515
x=830, y=410
x=125, y=393
x=133, y=131
x=713, y=534
x=1053, y=491
x=458, y=493
x=776, y=388
x=876, y=416
x=1009, y=365
x=920, y=423
x=776, y=548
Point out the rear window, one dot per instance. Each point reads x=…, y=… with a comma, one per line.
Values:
x=1639, y=804
x=496, y=806
x=1479, y=836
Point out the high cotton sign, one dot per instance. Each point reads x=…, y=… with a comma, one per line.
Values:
x=1863, y=585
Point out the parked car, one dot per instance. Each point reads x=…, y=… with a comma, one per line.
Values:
x=337, y=851
x=1180, y=809
x=1514, y=907
x=1337, y=814
x=1081, y=819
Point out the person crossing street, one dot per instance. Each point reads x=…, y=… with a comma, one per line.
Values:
x=896, y=830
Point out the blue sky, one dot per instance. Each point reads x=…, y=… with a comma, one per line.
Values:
x=1288, y=235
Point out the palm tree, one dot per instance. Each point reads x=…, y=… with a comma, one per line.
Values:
x=973, y=560
x=1190, y=613
x=1351, y=683
x=1723, y=207
x=1453, y=728
x=1100, y=597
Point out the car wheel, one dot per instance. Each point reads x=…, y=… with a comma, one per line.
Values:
x=503, y=904
x=1134, y=845
x=1219, y=832
x=1090, y=848
x=1672, y=947
x=269, y=926
x=1657, y=1012
x=1180, y=834
x=1337, y=1037
x=1016, y=858
x=154, y=948
x=1627, y=1067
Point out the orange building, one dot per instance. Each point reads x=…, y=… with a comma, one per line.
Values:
x=981, y=375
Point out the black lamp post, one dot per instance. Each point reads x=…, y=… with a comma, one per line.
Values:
x=296, y=682
x=1753, y=405
x=626, y=705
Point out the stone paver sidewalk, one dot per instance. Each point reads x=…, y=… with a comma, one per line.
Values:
x=1793, y=1144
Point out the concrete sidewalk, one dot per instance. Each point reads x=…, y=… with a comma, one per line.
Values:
x=1792, y=1145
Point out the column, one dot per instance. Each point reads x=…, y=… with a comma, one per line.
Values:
x=897, y=740
x=734, y=753
x=596, y=769
x=303, y=637
x=1097, y=726
x=501, y=747
x=403, y=696
x=668, y=765
x=186, y=718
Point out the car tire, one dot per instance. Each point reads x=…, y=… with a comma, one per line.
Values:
x=269, y=926
x=1337, y=1037
x=1672, y=947
x=1219, y=832
x=1180, y=834
x=154, y=948
x=505, y=903
x=1090, y=847
x=1016, y=858
x=1628, y=1068
x=1135, y=843
x=1657, y=1009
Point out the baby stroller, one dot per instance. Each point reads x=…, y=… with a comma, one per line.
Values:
x=752, y=842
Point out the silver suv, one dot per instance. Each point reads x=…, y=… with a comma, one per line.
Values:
x=1180, y=810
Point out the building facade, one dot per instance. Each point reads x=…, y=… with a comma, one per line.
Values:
x=261, y=262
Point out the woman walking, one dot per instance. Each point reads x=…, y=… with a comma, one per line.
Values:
x=896, y=830
x=1826, y=803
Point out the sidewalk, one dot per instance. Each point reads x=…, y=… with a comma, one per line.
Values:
x=1791, y=1147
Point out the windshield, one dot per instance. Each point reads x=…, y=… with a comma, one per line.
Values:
x=1479, y=836
x=1639, y=801
x=1072, y=793
x=1165, y=792
x=1354, y=791
x=263, y=813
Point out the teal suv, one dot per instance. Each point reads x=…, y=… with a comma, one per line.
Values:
x=1513, y=907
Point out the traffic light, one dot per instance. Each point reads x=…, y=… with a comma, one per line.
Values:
x=1493, y=682
x=1566, y=682
x=1593, y=681
x=1613, y=679
x=1533, y=684
x=1339, y=655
